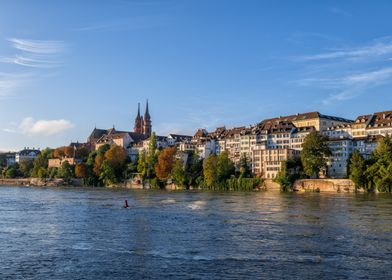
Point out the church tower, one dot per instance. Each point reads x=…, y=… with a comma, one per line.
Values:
x=147, y=122
x=138, y=128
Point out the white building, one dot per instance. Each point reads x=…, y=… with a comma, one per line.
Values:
x=26, y=154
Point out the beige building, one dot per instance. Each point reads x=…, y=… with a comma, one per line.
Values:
x=268, y=162
x=57, y=162
x=122, y=139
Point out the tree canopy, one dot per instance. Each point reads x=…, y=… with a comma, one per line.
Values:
x=314, y=153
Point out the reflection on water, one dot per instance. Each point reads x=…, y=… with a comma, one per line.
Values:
x=87, y=234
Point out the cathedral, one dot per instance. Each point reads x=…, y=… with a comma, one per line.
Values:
x=143, y=124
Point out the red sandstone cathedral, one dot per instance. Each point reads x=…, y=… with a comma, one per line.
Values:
x=143, y=124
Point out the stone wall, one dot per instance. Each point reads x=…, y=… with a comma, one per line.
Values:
x=270, y=185
x=32, y=182
x=324, y=185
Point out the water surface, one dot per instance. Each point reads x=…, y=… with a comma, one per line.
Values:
x=81, y=233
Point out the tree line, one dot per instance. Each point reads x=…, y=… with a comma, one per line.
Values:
x=110, y=165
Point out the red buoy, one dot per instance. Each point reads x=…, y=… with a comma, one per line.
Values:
x=126, y=204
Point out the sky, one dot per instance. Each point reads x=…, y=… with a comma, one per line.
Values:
x=69, y=66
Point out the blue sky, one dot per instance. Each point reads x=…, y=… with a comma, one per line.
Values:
x=67, y=66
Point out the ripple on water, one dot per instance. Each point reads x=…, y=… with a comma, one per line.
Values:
x=86, y=233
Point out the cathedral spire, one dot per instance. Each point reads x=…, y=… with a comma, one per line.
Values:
x=147, y=114
x=147, y=122
x=138, y=128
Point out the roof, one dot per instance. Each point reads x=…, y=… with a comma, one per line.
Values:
x=28, y=151
x=381, y=119
x=201, y=132
x=137, y=137
x=306, y=116
x=179, y=137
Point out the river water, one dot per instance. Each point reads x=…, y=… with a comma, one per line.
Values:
x=82, y=233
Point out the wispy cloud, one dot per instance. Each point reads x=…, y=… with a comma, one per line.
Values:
x=348, y=73
x=35, y=53
x=356, y=84
x=378, y=48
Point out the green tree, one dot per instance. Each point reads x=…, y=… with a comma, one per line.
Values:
x=25, y=167
x=357, y=170
x=284, y=179
x=41, y=163
x=108, y=174
x=379, y=172
x=11, y=172
x=65, y=171
x=244, y=166
x=194, y=169
x=142, y=165
x=178, y=174
x=210, y=170
x=152, y=157
x=225, y=167
x=130, y=170
x=314, y=153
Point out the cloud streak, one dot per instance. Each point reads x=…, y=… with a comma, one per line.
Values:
x=35, y=53
x=350, y=72
x=378, y=48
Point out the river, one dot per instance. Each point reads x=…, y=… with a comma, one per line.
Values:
x=85, y=233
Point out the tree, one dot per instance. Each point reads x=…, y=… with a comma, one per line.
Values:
x=11, y=172
x=357, y=169
x=379, y=172
x=283, y=178
x=194, y=169
x=166, y=160
x=130, y=169
x=225, y=167
x=58, y=152
x=142, y=165
x=116, y=157
x=69, y=151
x=314, y=153
x=81, y=171
x=152, y=157
x=108, y=174
x=178, y=174
x=82, y=153
x=41, y=163
x=25, y=167
x=244, y=167
x=210, y=170
x=97, y=164
x=65, y=171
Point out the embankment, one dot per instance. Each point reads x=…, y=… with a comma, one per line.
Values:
x=324, y=185
x=38, y=182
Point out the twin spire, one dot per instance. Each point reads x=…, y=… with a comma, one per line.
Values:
x=143, y=124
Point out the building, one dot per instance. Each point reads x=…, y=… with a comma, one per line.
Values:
x=119, y=138
x=268, y=162
x=143, y=125
x=57, y=162
x=26, y=154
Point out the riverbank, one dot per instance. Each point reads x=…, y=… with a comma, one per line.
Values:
x=304, y=185
x=37, y=182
